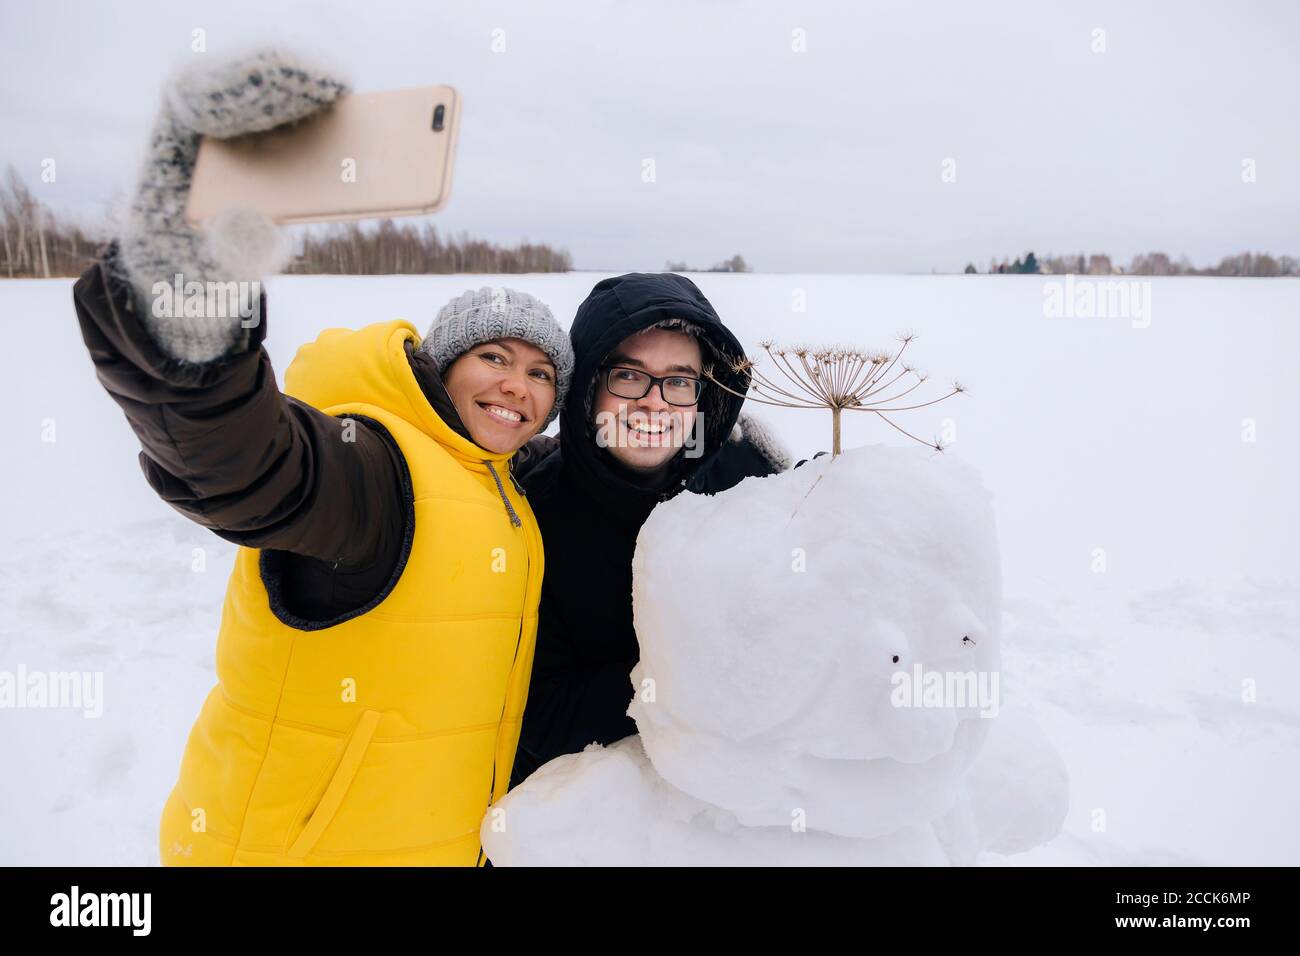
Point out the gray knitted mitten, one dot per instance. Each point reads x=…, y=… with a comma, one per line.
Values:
x=250, y=93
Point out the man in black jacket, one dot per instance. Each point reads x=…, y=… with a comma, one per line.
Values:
x=595, y=487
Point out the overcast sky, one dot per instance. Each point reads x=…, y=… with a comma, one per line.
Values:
x=827, y=160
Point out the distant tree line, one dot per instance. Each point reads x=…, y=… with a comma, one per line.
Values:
x=1146, y=264
x=735, y=264
x=39, y=244
x=408, y=249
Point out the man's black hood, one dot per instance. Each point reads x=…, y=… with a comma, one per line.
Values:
x=615, y=309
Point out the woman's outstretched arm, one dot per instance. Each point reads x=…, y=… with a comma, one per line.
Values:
x=224, y=447
x=220, y=442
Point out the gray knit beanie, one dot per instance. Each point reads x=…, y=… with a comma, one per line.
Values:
x=481, y=316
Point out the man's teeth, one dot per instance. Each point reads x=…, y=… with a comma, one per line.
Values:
x=504, y=414
x=647, y=428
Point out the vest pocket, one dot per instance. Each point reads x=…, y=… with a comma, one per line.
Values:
x=353, y=754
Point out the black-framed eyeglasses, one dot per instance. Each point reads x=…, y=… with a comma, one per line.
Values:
x=625, y=382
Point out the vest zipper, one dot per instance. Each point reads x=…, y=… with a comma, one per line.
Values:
x=510, y=510
x=519, y=638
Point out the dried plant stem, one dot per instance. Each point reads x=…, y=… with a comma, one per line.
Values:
x=834, y=378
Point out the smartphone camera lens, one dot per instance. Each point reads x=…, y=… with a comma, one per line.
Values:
x=439, y=115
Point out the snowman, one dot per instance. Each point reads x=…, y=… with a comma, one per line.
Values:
x=818, y=684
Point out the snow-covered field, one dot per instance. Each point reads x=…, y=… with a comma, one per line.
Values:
x=1143, y=480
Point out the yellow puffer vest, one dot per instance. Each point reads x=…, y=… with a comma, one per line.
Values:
x=381, y=740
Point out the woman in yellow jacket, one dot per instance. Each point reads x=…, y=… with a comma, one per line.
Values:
x=377, y=635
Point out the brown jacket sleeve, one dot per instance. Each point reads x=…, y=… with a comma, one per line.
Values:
x=224, y=447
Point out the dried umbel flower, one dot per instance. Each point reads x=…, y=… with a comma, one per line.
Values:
x=837, y=378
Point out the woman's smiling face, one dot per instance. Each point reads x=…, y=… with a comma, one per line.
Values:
x=503, y=390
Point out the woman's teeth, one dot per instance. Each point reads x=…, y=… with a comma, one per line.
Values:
x=646, y=428
x=505, y=414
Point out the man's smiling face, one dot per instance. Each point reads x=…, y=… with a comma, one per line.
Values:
x=645, y=433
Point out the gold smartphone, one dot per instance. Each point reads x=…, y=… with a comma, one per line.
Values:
x=387, y=153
